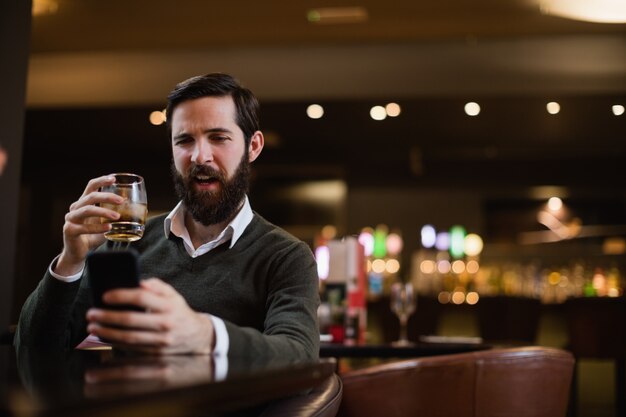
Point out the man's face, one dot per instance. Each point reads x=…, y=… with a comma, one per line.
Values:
x=210, y=161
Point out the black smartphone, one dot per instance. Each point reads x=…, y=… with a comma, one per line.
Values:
x=112, y=269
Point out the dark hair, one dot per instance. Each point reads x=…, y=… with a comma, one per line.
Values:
x=218, y=85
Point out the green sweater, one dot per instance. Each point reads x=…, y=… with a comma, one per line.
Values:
x=265, y=288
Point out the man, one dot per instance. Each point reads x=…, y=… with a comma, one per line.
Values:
x=227, y=281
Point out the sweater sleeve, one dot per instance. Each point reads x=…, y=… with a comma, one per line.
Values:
x=53, y=316
x=290, y=329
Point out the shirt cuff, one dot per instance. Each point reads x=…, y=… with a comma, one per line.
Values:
x=70, y=278
x=220, y=352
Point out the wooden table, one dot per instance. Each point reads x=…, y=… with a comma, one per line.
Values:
x=106, y=383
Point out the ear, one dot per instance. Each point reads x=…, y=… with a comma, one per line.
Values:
x=256, y=145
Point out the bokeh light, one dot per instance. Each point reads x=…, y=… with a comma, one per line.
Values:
x=394, y=244
x=315, y=111
x=429, y=236
x=322, y=257
x=378, y=266
x=472, y=109
x=378, y=113
x=553, y=107
x=473, y=244
x=393, y=109
x=366, y=238
x=392, y=266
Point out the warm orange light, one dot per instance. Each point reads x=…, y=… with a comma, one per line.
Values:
x=157, y=118
x=599, y=11
x=41, y=7
x=393, y=109
x=458, y=267
x=392, y=266
x=443, y=266
x=458, y=297
x=378, y=266
x=472, y=298
x=443, y=297
x=472, y=267
x=329, y=232
x=428, y=267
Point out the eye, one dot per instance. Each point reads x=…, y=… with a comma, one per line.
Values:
x=220, y=138
x=182, y=140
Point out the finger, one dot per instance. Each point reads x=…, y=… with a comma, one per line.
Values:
x=97, y=183
x=130, y=319
x=86, y=213
x=71, y=229
x=141, y=297
x=153, y=295
x=96, y=197
x=131, y=338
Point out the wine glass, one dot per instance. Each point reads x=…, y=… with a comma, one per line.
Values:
x=133, y=211
x=403, y=305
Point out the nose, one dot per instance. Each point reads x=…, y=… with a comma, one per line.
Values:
x=202, y=152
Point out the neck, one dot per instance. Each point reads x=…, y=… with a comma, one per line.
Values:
x=200, y=233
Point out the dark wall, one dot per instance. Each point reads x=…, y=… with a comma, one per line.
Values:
x=14, y=48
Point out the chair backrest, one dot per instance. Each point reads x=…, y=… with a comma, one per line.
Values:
x=321, y=401
x=529, y=381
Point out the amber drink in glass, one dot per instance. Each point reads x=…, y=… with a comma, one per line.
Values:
x=133, y=211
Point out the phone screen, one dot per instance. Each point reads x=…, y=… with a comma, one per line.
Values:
x=112, y=269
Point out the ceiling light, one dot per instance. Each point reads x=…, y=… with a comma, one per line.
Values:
x=553, y=107
x=378, y=113
x=472, y=109
x=337, y=15
x=393, y=109
x=157, y=118
x=599, y=11
x=315, y=111
x=618, y=109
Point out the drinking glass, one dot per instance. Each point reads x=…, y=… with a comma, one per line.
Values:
x=403, y=305
x=133, y=211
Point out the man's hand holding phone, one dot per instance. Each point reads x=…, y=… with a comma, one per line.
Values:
x=148, y=315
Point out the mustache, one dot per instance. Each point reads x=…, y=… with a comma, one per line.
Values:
x=204, y=170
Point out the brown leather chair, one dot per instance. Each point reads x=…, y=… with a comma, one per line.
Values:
x=528, y=381
x=321, y=401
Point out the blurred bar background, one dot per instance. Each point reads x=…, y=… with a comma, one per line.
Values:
x=397, y=118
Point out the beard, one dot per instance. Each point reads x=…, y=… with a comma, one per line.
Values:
x=217, y=206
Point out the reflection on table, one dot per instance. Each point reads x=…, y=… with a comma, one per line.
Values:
x=108, y=382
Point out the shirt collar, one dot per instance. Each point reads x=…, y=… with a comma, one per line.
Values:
x=175, y=222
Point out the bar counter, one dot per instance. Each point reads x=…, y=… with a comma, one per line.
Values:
x=415, y=350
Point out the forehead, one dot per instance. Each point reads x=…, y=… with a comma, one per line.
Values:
x=205, y=112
